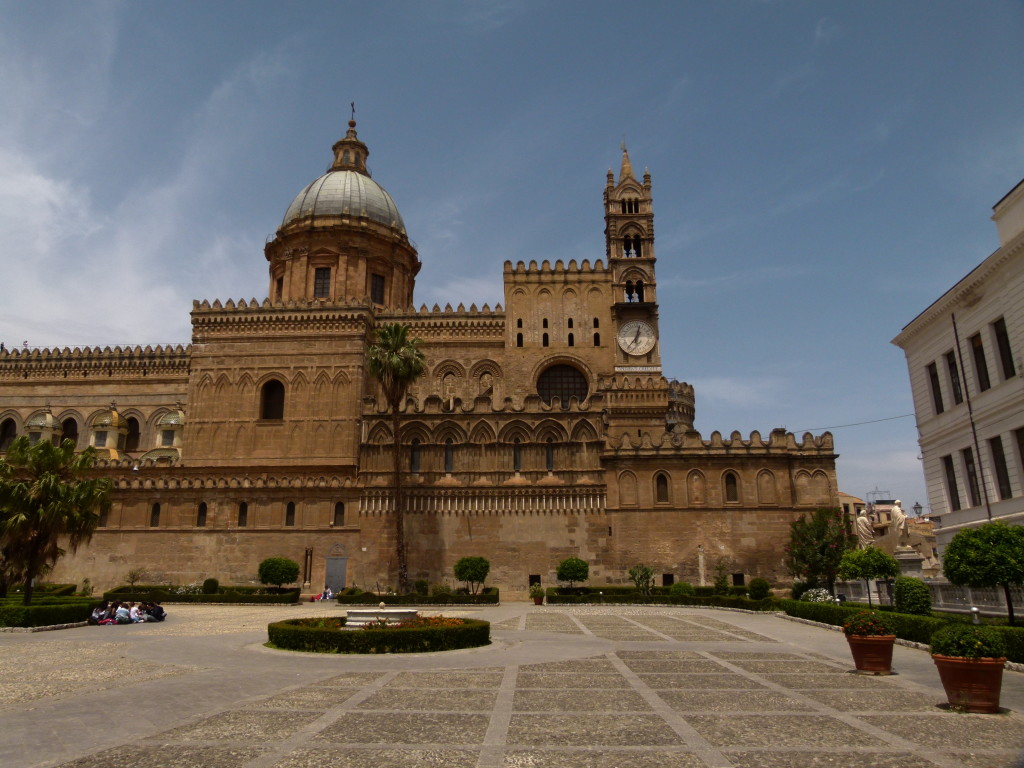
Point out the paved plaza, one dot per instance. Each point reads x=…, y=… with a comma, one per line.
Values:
x=586, y=687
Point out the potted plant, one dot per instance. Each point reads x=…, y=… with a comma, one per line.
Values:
x=537, y=593
x=970, y=661
x=871, y=641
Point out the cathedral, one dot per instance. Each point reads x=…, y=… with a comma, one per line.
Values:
x=541, y=429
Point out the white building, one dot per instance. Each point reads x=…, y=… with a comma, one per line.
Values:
x=966, y=360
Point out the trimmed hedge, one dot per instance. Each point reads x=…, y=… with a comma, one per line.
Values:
x=45, y=590
x=292, y=635
x=488, y=596
x=43, y=615
x=635, y=598
x=160, y=594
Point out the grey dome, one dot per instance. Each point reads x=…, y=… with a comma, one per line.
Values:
x=345, y=193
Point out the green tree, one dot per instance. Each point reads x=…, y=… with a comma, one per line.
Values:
x=642, y=577
x=473, y=571
x=396, y=362
x=721, y=586
x=46, y=496
x=572, y=569
x=991, y=555
x=912, y=595
x=278, y=571
x=816, y=546
x=868, y=563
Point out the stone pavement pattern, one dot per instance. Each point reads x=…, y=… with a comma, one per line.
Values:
x=593, y=687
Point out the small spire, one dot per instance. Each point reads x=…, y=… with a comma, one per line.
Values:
x=626, y=172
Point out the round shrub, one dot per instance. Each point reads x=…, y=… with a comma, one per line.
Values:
x=798, y=589
x=278, y=571
x=817, y=595
x=912, y=596
x=760, y=589
x=211, y=587
x=426, y=634
x=968, y=641
x=683, y=588
x=420, y=586
x=572, y=569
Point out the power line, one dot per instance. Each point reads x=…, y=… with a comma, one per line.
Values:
x=855, y=424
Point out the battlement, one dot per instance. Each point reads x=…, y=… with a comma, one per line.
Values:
x=126, y=361
x=531, y=403
x=584, y=268
x=691, y=441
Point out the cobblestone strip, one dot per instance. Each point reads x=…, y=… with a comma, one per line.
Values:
x=700, y=746
x=820, y=708
x=492, y=754
x=302, y=737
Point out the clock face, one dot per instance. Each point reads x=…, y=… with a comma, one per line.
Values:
x=636, y=337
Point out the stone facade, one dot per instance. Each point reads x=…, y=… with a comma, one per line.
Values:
x=541, y=430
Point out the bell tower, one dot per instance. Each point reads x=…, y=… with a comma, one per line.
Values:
x=629, y=247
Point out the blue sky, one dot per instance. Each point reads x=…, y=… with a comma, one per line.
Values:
x=822, y=171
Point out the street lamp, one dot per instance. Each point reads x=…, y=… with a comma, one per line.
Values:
x=917, y=508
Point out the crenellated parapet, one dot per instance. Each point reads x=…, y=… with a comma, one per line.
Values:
x=545, y=268
x=452, y=325
x=690, y=442
x=167, y=474
x=127, y=361
x=248, y=319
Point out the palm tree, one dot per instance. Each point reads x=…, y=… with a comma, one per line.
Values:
x=396, y=362
x=44, y=496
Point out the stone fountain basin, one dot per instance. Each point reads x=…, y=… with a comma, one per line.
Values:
x=359, y=617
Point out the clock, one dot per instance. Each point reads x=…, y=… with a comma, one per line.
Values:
x=636, y=337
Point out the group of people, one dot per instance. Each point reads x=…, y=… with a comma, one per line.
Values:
x=325, y=595
x=126, y=613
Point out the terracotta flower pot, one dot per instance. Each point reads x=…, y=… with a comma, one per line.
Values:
x=971, y=684
x=538, y=601
x=872, y=654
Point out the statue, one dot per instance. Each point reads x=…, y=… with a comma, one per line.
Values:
x=865, y=531
x=899, y=524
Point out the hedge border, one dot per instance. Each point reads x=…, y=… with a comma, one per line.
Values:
x=70, y=612
x=635, y=598
x=239, y=595
x=489, y=596
x=290, y=635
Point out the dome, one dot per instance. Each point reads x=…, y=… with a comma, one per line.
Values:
x=173, y=418
x=344, y=193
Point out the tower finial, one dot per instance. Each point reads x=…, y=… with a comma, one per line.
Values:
x=626, y=172
x=353, y=118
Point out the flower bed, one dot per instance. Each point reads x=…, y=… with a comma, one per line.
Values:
x=423, y=635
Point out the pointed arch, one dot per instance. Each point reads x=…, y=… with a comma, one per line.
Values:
x=696, y=488
x=482, y=433
x=449, y=430
x=549, y=428
x=512, y=430
x=627, y=489
x=584, y=432
x=767, y=493
x=380, y=434
x=731, y=487
x=662, y=488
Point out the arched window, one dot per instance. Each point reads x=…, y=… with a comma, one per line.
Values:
x=549, y=455
x=272, y=401
x=517, y=455
x=597, y=323
x=69, y=428
x=519, y=339
x=544, y=340
x=661, y=489
x=732, y=490
x=8, y=431
x=569, y=323
x=339, y=514
x=597, y=339
x=201, y=515
x=415, y=455
x=449, y=455
x=289, y=514
x=544, y=323
x=563, y=382
x=639, y=290
x=131, y=441
x=154, y=516
x=243, y=514
x=572, y=340
x=519, y=323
